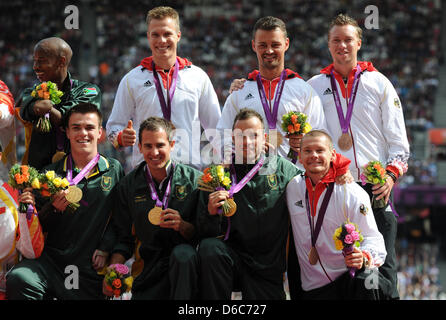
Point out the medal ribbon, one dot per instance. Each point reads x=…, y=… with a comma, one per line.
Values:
x=322, y=210
x=271, y=117
x=239, y=186
x=152, y=188
x=83, y=172
x=166, y=107
x=236, y=187
x=345, y=122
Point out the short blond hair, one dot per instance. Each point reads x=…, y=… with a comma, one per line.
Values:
x=318, y=133
x=160, y=13
x=343, y=20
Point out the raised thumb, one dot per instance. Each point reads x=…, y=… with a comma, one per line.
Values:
x=130, y=124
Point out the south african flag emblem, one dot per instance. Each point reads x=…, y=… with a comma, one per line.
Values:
x=90, y=91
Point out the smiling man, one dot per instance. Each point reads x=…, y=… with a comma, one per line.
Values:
x=164, y=85
x=317, y=207
x=367, y=123
x=52, y=58
x=246, y=251
x=272, y=90
x=77, y=238
x=156, y=208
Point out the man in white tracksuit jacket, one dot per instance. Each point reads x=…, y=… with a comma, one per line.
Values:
x=270, y=43
x=376, y=130
x=177, y=90
x=315, y=197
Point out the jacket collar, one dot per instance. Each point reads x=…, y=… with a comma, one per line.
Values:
x=146, y=63
x=289, y=75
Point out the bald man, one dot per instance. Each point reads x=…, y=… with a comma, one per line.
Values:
x=52, y=58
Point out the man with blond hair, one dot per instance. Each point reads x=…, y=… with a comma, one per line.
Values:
x=164, y=85
x=367, y=124
x=317, y=207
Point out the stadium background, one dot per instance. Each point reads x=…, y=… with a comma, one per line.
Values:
x=216, y=35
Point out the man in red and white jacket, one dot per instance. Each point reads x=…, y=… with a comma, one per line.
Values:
x=317, y=207
x=164, y=85
x=270, y=42
x=366, y=123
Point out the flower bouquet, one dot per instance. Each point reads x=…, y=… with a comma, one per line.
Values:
x=46, y=91
x=215, y=178
x=118, y=279
x=374, y=173
x=295, y=123
x=51, y=184
x=345, y=238
x=20, y=178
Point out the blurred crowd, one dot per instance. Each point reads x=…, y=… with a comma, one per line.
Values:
x=217, y=37
x=418, y=271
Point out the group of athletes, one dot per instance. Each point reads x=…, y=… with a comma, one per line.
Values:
x=181, y=244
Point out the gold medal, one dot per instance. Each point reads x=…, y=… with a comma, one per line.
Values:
x=275, y=138
x=155, y=215
x=345, y=142
x=74, y=194
x=230, y=208
x=313, y=256
x=58, y=156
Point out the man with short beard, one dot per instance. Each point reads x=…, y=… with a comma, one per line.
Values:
x=272, y=91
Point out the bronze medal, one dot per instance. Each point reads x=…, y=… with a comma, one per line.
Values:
x=313, y=256
x=345, y=142
x=58, y=156
x=155, y=215
x=74, y=194
x=275, y=138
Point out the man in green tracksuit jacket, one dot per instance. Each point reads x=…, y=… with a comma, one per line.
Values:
x=157, y=200
x=252, y=259
x=77, y=241
x=51, y=60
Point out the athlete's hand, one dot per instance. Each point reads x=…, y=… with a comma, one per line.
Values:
x=383, y=191
x=128, y=137
x=237, y=84
x=294, y=141
x=99, y=259
x=42, y=107
x=171, y=219
x=345, y=178
x=27, y=196
x=216, y=200
x=60, y=203
x=354, y=259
